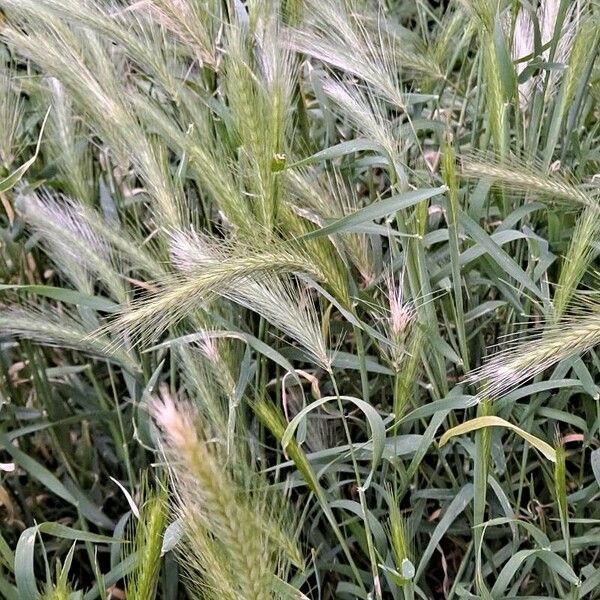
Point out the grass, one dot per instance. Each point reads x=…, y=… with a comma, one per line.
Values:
x=298, y=299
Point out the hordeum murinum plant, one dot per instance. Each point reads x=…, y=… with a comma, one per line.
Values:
x=298, y=299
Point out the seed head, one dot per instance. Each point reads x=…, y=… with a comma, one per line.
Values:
x=176, y=422
x=401, y=312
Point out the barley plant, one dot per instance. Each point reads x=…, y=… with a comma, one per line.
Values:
x=299, y=299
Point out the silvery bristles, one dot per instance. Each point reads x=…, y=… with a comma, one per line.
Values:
x=119, y=113
x=282, y=300
x=228, y=548
x=515, y=174
x=577, y=332
x=339, y=36
x=319, y=195
x=84, y=243
x=396, y=320
x=367, y=115
x=75, y=248
x=11, y=116
x=201, y=278
x=66, y=144
x=578, y=259
x=401, y=317
x=523, y=43
x=210, y=368
x=87, y=66
x=53, y=326
x=192, y=22
x=485, y=10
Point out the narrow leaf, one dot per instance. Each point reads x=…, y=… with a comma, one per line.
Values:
x=492, y=421
x=377, y=210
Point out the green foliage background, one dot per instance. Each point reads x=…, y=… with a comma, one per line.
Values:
x=298, y=299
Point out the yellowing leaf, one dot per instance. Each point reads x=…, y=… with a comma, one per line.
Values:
x=491, y=421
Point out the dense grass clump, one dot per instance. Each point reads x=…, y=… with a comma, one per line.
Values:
x=298, y=299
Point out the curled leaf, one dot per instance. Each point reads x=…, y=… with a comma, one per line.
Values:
x=491, y=421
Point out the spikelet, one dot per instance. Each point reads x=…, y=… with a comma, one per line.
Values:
x=149, y=529
x=523, y=44
x=398, y=534
x=495, y=96
x=66, y=144
x=72, y=244
x=582, y=36
x=61, y=590
x=576, y=333
x=120, y=113
x=579, y=257
x=360, y=45
x=319, y=196
x=364, y=110
x=11, y=114
x=210, y=368
x=51, y=326
x=395, y=318
x=80, y=239
x=281, y=300
x=258, y=81
x=228, y=551
x=83, y=62
x=193, y=23
x=516, y=175
x=210, y=269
